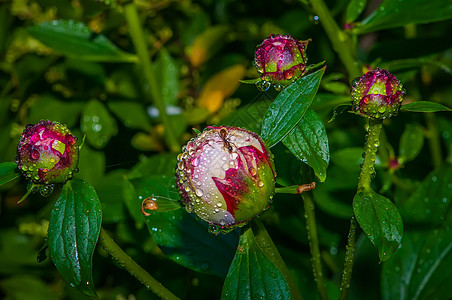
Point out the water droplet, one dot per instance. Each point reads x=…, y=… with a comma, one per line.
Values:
x=260, y=183
x=199, y=193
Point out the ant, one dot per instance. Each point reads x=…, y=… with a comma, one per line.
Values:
x=223, y=135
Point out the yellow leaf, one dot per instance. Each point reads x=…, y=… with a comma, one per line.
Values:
x=221, y=86
x=207, y=44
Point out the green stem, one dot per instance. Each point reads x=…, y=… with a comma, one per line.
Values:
x=367, y=171
x=313, y=238
x=349, y=258
x=266, y=244
x=139, y=41
x=295, y=189
x=341, y=41
x=134, y=269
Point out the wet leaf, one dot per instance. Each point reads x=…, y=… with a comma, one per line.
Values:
x=98, y=124
x=411, y=142
x=252, y=275
x=73, y=232
x=395, y=13
x=131, y=114
x=309, y=143
x=8, y=172
x=181, y=236
x=431, y=201
x=421, y=269
x=380, y=220
x=77, y=40
x=425, y=106
x=289, y=107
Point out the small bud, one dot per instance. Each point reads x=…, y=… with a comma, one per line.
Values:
x=47, y=153
x=280, y=60
x=377, y=94
x=226, y=176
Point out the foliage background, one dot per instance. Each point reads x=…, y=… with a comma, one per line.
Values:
x=201, y=49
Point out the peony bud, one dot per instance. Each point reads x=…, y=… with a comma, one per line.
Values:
x=377, y=94
x=47, y=153
x=226, y=176
x=280, y=60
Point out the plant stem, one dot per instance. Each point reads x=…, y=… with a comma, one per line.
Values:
x=139, y=41
x=349, y=258
x=313, y=238
x=266, y=244
x=295, y=189
x=134, y=269
x=342, y=43
x=367, y=171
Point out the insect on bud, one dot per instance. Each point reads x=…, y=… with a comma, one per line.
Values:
x=226, y=176
x=47, y=153
x=280, y=60
x=377, y=94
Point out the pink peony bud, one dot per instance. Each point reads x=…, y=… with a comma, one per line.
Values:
x=377, y=94
x=47, y=153
x=280, y=60
x=226, y=176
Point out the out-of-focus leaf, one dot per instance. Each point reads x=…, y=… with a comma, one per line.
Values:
x=252, y=274
x=196, y=115
x=411, y=142
x=47, y=107
x=23, y=287
x=207, y=44
x=380, y=220
x=289, y=107
x=354, y=9
x=424, y=106
x=75, y=39
x=348, y=158
x=131, y=114
x=329, y=204
x=159, y=164
x=309, y=143
x=98, y=124
x=167, y=77
x=395, y=13
x=8, y=172
x=73, y=232
x=408, y=64
x=221, y=86
x=431, y=202
x=144, y=142
x=91, y=165
x=109, y=189
x=180, y=235
x=421, y=269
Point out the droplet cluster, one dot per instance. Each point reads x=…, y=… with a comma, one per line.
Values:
x=226, y=177
x=377, y=94
x=47, y=153
x=280, y=60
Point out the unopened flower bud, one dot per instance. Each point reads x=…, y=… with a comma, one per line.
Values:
x=47, y=153
x=226, y=176
x=377, y=94
x=280, y=60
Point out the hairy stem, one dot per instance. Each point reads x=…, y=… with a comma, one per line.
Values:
x=349, y=258
x=132, y=267
x=266, y=244
x=342, y=43
x=313, y=238
x=139, y=41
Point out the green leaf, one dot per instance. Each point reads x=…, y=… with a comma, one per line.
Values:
x=181, y=236
x=159, y=164
x=348, y=158
x=252, y=275
x=354, y=9
x=289, y=107
x=109, y=191
x=395, y=13
x=73, y=232
x=8, y=172
x=421, y=269
x=309, y=143
x=47, y=107
x=98, y=124
x=431, y=202
x=380, y=221
x=24, y=286
x=77, y=40
x=91, y=165
x=411, y=142
x=131, y=114
x=425, y=106
x=167, y=76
